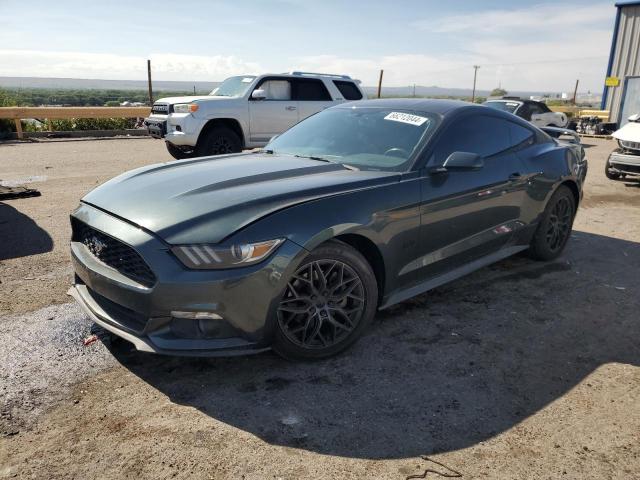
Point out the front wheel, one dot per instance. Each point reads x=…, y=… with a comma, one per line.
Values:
x=327, y=304
x=555, y=226
x=611, y=175
x=219, y=141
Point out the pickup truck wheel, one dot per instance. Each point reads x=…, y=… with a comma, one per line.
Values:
x=611, y=175
x=218, y=141
x=178, y=153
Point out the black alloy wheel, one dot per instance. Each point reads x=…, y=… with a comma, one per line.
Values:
x=554, y=229
x=219, y=141
x=559, y=225
x=326, y=304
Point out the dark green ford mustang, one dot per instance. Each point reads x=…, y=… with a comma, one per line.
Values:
x=296, y=247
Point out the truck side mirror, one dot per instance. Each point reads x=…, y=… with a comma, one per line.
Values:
x=258, y=94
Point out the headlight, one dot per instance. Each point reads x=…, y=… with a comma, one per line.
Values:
x=215, y=257
x=185, y=107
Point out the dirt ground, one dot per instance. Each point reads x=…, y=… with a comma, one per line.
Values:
x=521, y=370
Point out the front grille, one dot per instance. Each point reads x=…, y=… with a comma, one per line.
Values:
x=113, y=253
x=122, y=316
x=630, y=145
x=160, y=109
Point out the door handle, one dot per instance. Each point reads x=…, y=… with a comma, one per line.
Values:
x=291, y=108
x=515, y=176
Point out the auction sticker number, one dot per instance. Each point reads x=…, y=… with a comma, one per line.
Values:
x=406, y=118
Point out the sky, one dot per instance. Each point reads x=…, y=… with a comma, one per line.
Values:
x=520, y=45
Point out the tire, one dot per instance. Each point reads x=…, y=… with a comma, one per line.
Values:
x=554, y=229
x=178, y=153
x=610, y=175
x=218, y=141
x=317, y=319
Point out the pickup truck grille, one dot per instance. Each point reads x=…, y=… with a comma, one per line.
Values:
x=161, y=109
x=113, y=253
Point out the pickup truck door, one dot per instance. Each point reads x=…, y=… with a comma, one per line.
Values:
x=312, y=96
x=273, y=115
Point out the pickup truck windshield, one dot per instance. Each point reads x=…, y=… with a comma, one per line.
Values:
x=233, y=87
x=504, y=106
x=365, y=138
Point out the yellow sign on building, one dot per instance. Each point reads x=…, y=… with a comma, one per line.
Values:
x=612, y=81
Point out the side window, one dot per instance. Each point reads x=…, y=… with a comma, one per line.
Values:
x=308, y=89
x=276, y=89
x=520, y=135
x=544, y=108
x=348, y=90
x=524, y=112
x=479, y=134
x=536, y=109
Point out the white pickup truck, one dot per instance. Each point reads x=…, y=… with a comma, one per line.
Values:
x=532, y=111
x=245, y=111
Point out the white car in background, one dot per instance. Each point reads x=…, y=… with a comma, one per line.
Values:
x=245, y=111
x=535, y=112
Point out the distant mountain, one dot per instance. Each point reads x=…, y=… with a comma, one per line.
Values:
x=86, y=84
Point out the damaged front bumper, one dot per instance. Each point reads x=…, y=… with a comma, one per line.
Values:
x=237, y=306
x=621, y=161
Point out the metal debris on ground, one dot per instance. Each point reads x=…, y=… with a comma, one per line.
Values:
x=89, y=340
x=10, y=193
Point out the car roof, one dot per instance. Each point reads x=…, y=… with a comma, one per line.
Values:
x=442, y=107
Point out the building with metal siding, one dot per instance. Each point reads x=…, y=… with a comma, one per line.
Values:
x=624, y=63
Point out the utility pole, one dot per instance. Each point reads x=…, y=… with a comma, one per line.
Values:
x=414, y=90
x=475, y=76
x=149, y=80
x=380, y=83
x=575, y=92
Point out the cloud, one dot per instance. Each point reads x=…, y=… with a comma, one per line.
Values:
x=539, y=48
x=556, y=18
x=165, y=66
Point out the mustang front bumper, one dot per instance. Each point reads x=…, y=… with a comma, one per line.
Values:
x=242, y=301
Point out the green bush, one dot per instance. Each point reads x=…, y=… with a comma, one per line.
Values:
x=72, y=124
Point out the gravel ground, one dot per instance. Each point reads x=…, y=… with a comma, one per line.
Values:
x=520, y=370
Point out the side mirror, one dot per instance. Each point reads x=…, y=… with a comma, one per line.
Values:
x=634, y=118
x=460, y=161
x=258, y=94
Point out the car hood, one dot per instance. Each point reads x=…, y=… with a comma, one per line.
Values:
x=207, y=199
x=629, y=133
x=189, y=99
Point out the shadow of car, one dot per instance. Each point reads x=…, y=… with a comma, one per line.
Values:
x=440, y=372
x=20, y=235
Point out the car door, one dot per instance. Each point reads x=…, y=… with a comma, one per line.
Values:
x=274, y=114
x=468, y=214
x=312, y=96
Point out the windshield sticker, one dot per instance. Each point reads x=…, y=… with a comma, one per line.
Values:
x=406, y=118
x=247, y=80
x=512, y=104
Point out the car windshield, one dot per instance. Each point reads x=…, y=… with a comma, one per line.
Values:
x=504, y=106
x=365, y=138
x=233, y=87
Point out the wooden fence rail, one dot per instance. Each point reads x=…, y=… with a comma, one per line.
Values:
x=49, y=113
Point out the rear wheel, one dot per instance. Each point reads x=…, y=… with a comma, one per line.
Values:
x=554, y=229
x=328, y=303
x=219, y=141
x=179, y=153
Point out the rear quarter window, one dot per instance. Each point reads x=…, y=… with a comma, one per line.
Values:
x=348, y=90
x=310, y=90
